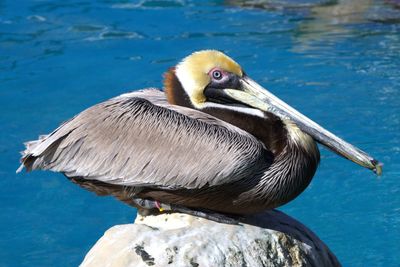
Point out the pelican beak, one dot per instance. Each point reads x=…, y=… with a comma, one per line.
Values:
x=254, y=95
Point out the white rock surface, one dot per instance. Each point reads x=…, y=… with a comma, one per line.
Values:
x=268, y=239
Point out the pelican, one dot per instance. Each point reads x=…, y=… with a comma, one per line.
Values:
x=214, y=142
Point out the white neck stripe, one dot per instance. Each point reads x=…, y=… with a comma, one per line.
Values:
x=250, y=111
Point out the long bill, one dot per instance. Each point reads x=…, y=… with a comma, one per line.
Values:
x=254, y=95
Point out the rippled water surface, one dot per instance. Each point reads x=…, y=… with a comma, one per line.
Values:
x=336, y=61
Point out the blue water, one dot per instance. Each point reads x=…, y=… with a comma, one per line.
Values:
x=336, y=61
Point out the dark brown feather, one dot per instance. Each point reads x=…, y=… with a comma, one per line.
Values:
x=174, y=91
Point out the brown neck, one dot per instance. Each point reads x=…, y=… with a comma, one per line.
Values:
x=174, y=91
x=269, y=129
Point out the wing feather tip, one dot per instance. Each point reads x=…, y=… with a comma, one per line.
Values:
x=20, y=168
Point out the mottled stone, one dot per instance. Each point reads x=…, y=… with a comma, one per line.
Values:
x=268, y=239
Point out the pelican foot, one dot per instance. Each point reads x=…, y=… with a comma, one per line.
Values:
x=153, y=207
x=150, y=207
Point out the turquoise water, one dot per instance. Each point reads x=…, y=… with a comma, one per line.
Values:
x=336, y=61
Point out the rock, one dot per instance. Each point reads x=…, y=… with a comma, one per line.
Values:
x=268, y=239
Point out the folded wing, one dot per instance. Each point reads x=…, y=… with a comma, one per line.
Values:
x=138, y=139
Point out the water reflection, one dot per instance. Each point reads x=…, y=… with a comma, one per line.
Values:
x=328, y=21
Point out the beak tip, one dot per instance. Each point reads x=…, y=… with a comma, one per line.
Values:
x=377, y=167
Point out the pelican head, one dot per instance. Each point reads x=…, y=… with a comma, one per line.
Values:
x=211, y=79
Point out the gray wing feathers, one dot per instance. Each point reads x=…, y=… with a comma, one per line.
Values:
x=138, y=139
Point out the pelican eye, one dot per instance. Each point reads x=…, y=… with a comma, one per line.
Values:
x=217, y=75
